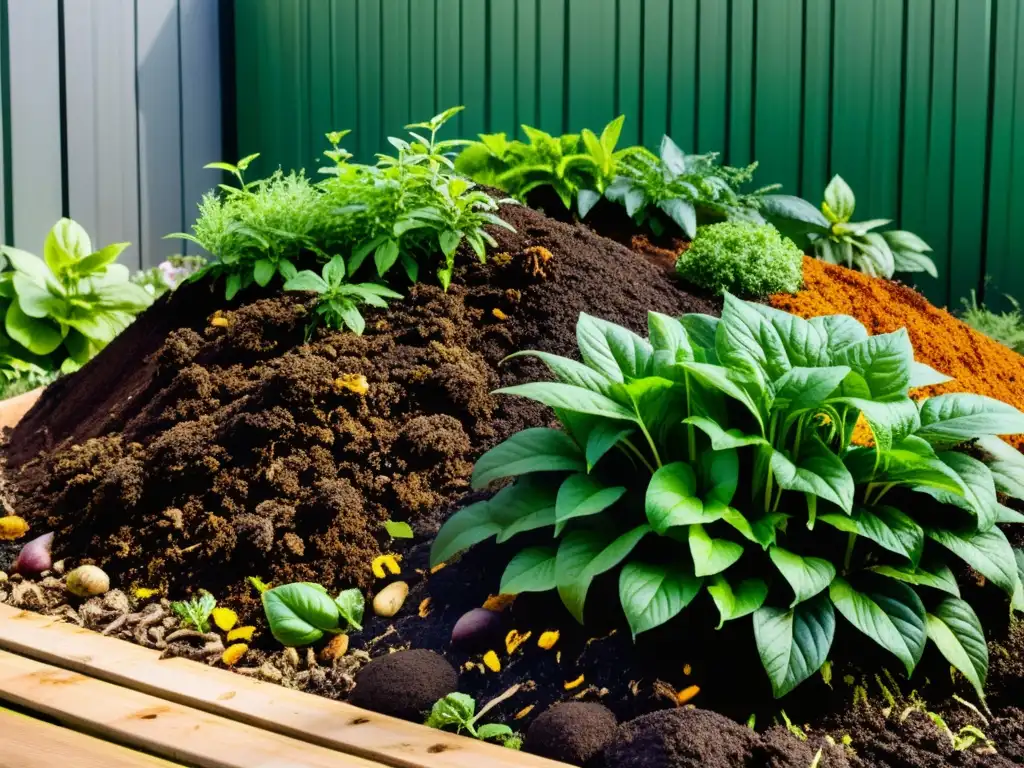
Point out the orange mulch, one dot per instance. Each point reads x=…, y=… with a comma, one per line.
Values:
x=977, y=363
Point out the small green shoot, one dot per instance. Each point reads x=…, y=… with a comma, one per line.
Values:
x=196, y=612
x=351, y=606
x=459, y=710
x=258, y=584
x=398, y=530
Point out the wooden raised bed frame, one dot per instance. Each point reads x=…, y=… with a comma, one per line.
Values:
x=122, y=705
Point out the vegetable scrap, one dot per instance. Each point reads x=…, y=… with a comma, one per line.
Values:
x=12, y=528
x=513, y=640
x=491, y=661
x=353, y=382
x=498, y=602
x=499, y=314
x=234, y=653
x=524, y=712
x=424, y=609
x=548, y=639
x=224, y=618
x=574, y=683
x=389, y=561
x=144, y=593
x=687, y=693
x=241, y=633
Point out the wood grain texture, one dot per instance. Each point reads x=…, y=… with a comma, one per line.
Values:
x=164, y=728
x=313, y=719
x=30, y=743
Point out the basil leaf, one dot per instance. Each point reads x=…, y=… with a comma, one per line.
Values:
x=299, y=613
x=883, y=361
x=653, y=594
x=819, y=472
x=794, y=644
x=351, y=606
x=671, y=498
x=935, y=575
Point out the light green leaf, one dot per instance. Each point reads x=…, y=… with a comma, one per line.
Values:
x=922, y=375
x=883, y=361
x=807, y=576
x=1005, y=463
x=653, y=594
x=947, y=420
x=580, y=495
x=989, y=553
x=616, y=352
x=723, y=439
x=820, y=472
x=569, y=371
x=532, y=570
x=801, y=388
x=761, y=530
x=954, y=628
x=794, y=644
x=746, y=342
x=538, y=449
x=604, y=436
x=935, y=575
x=890, y=613
x=40, y=337
x=570, y=398
x=719, y=378
x=711, y=556
x=398, y=530
x=979, y=495
x=887, y=526
x=671, y=498
x=748, y=596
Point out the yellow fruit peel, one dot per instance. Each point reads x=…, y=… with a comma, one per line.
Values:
x=547, y=640
x=491, y=661
x=382, y=565
x=224, y=618
x=513, y=640
x=234, y=654
x=12, y=527
x=241, y=633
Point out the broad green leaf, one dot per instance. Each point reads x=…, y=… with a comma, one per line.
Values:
x=307, y=281
x=667, y=334
x=660, y=405
x=28, y=264
x=935, y=575
x=616, y=352
x=385, y=256
x=719, y=475
x=532, y=570
x=989, y=553
x=883, y=361
x=531, y=506
x=794, y=644
x=805, y=343
x=66, y=243
x=979, y=495
x=580, y=495
x=584, y=555
x=886, y=526
x=717, y=377
x=922, y=375
x=746, y=342
x=807, y=576
x=890, y=421
x=820, y=472
x=604, y=436
x=839, y=331
x=40, y=337
x=569, y=371
x=34, y=299
x=802, y=388
x=747, y=597
x=1005, y=463
x=652, y=594
x=954, y=628
x=722, y=439
x=299, y=613
x=711, y=556
x=890, y=613
x=671, y=498
x=701, y=329
x=570, y=398
x=263, y=272
x=839, y=199
x=682, y=213
x=1007, y=516
x=538, y=449
x=760, y=530
x=947, y=420
x=1017, y=603
x=910, y=462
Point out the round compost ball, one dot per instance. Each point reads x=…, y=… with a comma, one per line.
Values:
x=573, y=732
x=404, y=684
x=681, y=738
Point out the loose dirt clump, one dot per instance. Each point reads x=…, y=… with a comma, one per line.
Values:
x=574, y=732
x=404, y=684
x=194, y=454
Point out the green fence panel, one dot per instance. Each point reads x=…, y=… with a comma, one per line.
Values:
x=917, y=103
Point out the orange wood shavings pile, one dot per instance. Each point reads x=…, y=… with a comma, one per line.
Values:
x=977, y=363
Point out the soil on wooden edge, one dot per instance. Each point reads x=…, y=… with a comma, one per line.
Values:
x=192, y=455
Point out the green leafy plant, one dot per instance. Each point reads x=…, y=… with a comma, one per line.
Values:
x=857, y=245
x=676, y=189
x=339, y=301
x=459, y=710
x=576, y=166
x=196, y=611
x=1005, y=327
x=74, y=299
x=717, y=455
x=301, y=613
x=743, y=258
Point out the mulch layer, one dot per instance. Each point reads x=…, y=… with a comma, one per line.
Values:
x=192, y=455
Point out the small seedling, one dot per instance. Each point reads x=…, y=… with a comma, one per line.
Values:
x=196, y=612
x=459, y=709
x=398, y=530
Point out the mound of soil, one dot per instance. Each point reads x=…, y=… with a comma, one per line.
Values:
x=977, y=363
x=193, y=454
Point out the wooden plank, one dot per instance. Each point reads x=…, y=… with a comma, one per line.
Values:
x=974, y=26
x=448, y=77
x=36, y=176
x=591, y=62
x=501, y=56
x=310, y=718
x=712, y=73
x=12, y=409
x=665, y=67
x=526, y=62
x=629, y=71
x=159, y=118
x=474, y=67
x=741, y=85
x=814, y=174
x=777, y=108
x=31, y=743
x=201, y=131
x=166, y=729
x=551, y=65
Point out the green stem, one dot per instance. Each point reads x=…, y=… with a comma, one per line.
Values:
x=848, y=557
x=799, y=437
x=636, y=452
x=768, y=491
x=650, y=442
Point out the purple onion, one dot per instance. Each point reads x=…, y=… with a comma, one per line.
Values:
x=35, y=556
x=476, y=628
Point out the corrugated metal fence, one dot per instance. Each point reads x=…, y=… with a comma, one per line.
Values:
x=917, y=103
x=110, y=110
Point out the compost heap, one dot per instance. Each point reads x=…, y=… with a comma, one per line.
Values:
x=192, y=454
